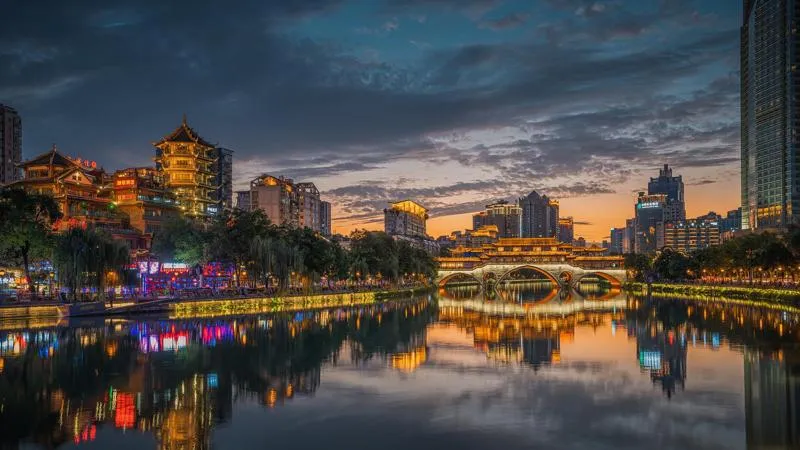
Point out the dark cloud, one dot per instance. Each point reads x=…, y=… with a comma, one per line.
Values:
x=513, y=20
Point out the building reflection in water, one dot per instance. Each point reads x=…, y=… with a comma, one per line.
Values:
x=772, y=399
x=178, y=380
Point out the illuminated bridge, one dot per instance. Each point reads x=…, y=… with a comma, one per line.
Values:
x=502, y=261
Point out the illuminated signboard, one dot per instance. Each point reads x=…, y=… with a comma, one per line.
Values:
x=174, y=266
x=648, y=205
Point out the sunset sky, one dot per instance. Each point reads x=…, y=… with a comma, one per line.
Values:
x=453, y=103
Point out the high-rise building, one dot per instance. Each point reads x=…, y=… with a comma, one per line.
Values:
x=617, y=240
x=770, y=114
x=243, y=200
x=539, y=216
x=277, y=198
x=672, y=187
x=223, y=168
x=188, y=164
x=405, y=218
x=506, y=217
x=10, y=145
x=629, y=240
x=732, y=221
x=308, y=203
x=649, y=215
x=325, y=224
x=566, y=230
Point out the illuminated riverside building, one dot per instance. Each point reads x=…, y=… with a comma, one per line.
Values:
x=770, y=114
x=405, y=218
x=505, y=217
x=10, y=145
x=77, y=186
x=566, y=230
x=188, y=163
x=689, y=235
x=529, y=250
x=141, y=194
x=484, y=235
x=539, y=216
x=649, y=214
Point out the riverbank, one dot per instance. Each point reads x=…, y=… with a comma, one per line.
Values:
x=760, y=296
x=208, y=307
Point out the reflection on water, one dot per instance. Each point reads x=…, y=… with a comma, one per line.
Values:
x=460, y=371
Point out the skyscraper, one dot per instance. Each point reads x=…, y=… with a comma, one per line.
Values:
x=325, y=224
x=505, y=216
x=10, y=145
x=223, y=168
x=539, y=216
x=566, y=230
x=672, y=187
x=617, y=241
x=277, y=198
x=770, y=112
x=649, y=216
x=308, y=206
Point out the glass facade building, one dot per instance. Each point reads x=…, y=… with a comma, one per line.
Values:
x=769, y=109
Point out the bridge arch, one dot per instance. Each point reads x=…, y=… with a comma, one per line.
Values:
x=615, y=283
x=451, y=276
x=539, y=270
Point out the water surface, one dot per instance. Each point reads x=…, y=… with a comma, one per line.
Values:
x=521, y=368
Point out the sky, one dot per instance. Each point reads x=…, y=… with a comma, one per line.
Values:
x=452, y=103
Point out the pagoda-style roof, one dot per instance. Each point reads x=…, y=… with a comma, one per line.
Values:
x=51, y=157
x=184, y=133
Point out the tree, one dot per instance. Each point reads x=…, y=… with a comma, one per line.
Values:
x=231, y=235
x=25, y=225
x=85, y=257
x=181, y=240
x=640, y=266
x=672, y=265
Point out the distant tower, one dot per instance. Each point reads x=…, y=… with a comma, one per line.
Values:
x=539, y=216
x=10, y=145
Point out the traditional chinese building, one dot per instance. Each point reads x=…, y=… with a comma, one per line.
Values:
x=141, y=194
x=77, y=186
x=187, y=163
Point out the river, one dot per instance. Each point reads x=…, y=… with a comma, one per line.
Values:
x=521, y=368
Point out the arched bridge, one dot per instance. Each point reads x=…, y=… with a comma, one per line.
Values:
x=558, y=274
x=562, y=264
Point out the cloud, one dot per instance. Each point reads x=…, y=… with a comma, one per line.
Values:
x=513, y=20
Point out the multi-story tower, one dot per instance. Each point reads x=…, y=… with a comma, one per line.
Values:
x=10, y=145
x=672, y=187
x=325, y=224
x=187, y=163
x=406, y=218
x=539, y=216
x=308, y=206
x=770, y=114
x=506, y=217
x=277, y=197
x=690, y=235
x=223, y=169
x=566, y=230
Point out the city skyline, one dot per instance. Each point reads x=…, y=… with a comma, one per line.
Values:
x=372, y=102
